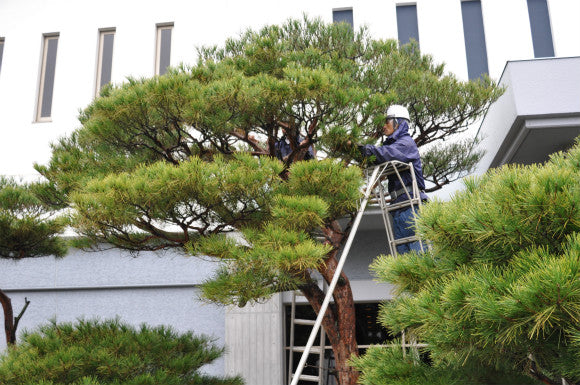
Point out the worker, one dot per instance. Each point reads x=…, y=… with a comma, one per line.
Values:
x=284, y=149
x=399, y=146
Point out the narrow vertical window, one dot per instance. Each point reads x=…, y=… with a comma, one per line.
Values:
x=407, y=26
x=541, y=29
x=47, y=71
x=163, y=49
x=343, y=15
x=475, y=49
x=105, y=58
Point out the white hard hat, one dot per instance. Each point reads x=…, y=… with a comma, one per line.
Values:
x=398, y=111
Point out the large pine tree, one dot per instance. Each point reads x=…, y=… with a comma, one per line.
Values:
x=176, y=161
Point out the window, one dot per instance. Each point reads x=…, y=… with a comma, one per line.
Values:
x=474, y=39
x=46, y=87
x=407, y=26
x=105, y=58
x=343, y=15
x=163, y=49
x=1, y=51
x=541, y=29
x=368, y=332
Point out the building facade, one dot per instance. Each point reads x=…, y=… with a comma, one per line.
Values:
x=55, y=55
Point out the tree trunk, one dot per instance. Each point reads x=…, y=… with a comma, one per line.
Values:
x=8, y=318
x=339, y=322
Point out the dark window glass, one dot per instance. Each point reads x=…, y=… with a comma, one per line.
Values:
x=1, y=52
x=164, y=50
x=106, y=58
x=474, y=39
x=541, y=30
x=49, y=70
x=344, y=15
x=407, y=26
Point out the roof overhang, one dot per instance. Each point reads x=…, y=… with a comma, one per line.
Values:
x=538, y=114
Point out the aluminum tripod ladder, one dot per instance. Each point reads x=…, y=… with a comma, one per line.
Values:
x=320, y=349
x=412, y=194
x=373, y=175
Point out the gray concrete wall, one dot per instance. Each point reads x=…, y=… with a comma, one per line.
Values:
x=153, y=288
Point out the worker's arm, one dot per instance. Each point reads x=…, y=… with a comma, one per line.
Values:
x=404, y=150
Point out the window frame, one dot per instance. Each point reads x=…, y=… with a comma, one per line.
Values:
x=2, y=42
x=100, y=50
x=46, y=37
x=159, y=28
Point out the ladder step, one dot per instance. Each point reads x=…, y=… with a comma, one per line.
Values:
x=309, y=322
x=400, y=205
x=306, y=377
x=300, y=349
x=402, y=241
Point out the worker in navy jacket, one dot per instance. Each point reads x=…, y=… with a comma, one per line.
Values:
x=400, y=146
x=284, y=149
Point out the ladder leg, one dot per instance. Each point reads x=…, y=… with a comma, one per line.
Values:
x=291, y=347
x=335, y=278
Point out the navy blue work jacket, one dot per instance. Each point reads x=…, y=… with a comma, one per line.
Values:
x=399, y=146
x=283, y=148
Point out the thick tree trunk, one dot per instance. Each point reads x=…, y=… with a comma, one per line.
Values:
x=339, y=322
x=9, y=329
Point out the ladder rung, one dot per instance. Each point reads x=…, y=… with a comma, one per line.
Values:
x=406, y=203
x=402, y=241
x=300, y=349
x=309, y=322
x=306, y=377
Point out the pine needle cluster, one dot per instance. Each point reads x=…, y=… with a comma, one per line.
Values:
x=28, y=227
x=109, y=353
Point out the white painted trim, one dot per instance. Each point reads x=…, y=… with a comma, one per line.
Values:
x=44, y=53
x=159, y=28
x=99, y=66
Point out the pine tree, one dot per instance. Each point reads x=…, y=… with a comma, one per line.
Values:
x=500, y=287
x=109, y=353
x=28, y=228
x=176, y=161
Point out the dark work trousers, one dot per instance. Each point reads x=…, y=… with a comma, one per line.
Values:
x=403, y=227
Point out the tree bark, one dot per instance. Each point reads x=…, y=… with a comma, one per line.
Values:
x=8, y=318
x=339, y=322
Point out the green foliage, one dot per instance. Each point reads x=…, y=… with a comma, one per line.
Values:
x=386, y=365
x=191, y=199
x=501, y=284
x=109, y=353
x=28, y=228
